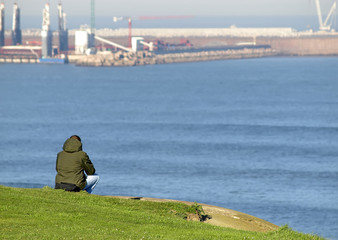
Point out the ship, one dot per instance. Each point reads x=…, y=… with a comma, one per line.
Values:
x=54, y=60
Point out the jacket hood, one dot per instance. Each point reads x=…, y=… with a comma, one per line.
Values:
x=72, y=145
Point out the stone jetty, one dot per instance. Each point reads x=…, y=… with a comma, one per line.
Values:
x=145, y=58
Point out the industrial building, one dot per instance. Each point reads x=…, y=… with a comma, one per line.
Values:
x=2, y=24
x=78, y=43
x=16, y=29
x=82, y=41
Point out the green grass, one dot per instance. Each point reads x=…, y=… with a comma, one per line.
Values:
x=55, y=214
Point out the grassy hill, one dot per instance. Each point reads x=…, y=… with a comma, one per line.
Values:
x=55, y=214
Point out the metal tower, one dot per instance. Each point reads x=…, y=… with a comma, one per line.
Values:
x=91, y=42
x=16, y=29
x=46, y=33
x=63, y=31
x=2, y=24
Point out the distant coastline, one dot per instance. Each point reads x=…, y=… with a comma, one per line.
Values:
x=204, y=45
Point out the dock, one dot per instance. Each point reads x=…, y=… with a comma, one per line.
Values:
x=13, y=59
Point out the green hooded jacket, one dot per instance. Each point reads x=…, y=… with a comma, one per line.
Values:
x=71, y=164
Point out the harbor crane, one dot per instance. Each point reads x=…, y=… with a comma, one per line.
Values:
x=129, y=19
x=325, y=25
x=115, y=19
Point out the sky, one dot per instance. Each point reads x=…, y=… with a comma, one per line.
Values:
x=175, y=7
x=298, y=14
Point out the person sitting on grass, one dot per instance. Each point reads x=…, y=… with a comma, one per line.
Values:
x=75, y=171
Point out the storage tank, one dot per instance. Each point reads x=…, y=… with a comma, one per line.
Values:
x=82, y=42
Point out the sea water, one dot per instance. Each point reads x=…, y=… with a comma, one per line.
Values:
x=258, y=136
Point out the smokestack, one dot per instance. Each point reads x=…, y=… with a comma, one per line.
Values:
x=63, y=31
x=16, y=30
x=46, y=33
x=2, y=24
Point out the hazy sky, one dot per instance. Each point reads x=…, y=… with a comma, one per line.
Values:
x=176, y=7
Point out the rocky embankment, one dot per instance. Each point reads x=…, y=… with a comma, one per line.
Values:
x=144, y=58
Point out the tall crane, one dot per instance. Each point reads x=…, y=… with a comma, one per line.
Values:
x=115, y=19
x=16, y=29
x=63, y=31
x=46, y=33
x=325, y=26
x=129, y=19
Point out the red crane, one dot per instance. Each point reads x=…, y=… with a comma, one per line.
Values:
x=129, y=27
x=161, y=17
x=129, y=32
x=144, y=18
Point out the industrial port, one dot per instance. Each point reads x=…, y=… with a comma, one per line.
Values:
x=129, y=46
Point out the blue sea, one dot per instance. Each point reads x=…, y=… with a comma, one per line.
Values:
x=258, y=136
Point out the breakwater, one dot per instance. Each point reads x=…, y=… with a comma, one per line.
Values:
x=145, y=58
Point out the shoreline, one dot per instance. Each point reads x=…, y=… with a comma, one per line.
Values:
x=189, y=48
x=124, y=59
x=221, y=217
